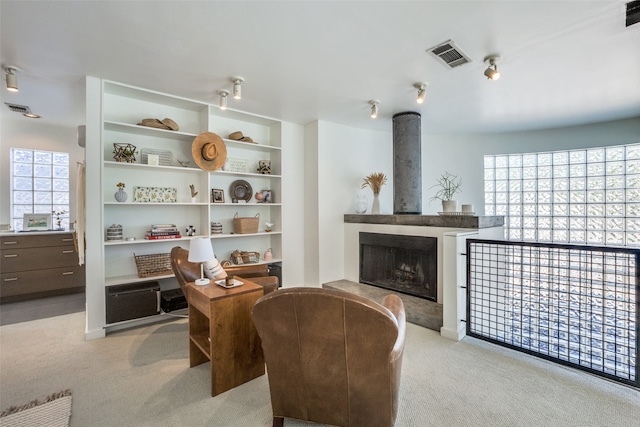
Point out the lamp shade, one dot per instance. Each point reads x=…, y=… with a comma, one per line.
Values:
x=200, y=250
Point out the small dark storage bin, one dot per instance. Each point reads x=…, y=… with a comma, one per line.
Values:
x=132, y=301
x=275, y=269
x=172, y=299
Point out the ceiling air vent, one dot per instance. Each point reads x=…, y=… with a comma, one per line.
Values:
x=22, y=109
x=449, y=54
x=633, y=12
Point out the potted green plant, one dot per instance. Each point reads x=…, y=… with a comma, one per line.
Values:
x=448, y=185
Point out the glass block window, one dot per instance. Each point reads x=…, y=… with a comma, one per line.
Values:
x=39, y=184
x=589, y=196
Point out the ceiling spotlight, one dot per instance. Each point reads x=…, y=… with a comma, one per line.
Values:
x=374, y=108
x=422, y=91
x=237, y=87
x=492, y=73
x=223, y=98
x=11, y=78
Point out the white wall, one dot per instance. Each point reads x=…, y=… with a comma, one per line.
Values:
x=345, y=156
x=463, y=155
x=22, y=132
x=293, y=249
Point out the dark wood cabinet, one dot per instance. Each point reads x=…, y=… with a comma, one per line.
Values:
x=37, y=265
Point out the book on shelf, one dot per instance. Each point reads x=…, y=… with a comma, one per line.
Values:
x=163, y=226
x=173, y=236
x=162, y=233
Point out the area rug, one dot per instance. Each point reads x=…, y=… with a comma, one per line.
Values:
x=52, y=411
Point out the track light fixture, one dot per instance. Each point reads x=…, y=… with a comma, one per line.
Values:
x=374, y=108
x=11, y=78
x=237, y=87
x=492, y=73
x=422, y=91
x=223, y=98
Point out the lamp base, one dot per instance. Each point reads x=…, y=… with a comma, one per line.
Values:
x=202, y=282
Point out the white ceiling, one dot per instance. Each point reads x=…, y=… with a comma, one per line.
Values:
x=563, y=63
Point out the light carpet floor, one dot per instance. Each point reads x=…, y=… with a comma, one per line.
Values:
x=141, y=377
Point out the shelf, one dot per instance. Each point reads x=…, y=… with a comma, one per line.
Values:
x=148, y=131
x=250, y=145
x=156, y=167
x=122, y=280
x=235, y=205
x=235, y=235
x=253, y=174
x=162, y=204
x=144, y=241
x=201, y=340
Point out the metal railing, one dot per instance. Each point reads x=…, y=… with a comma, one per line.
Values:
x=576, y=305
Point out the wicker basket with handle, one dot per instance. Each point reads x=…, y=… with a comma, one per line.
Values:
x=246, y=225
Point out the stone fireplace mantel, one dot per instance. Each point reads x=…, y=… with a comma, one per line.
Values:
x=448, y=221
x=451, y=232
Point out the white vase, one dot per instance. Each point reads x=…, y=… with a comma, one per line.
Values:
x=449, y=206
x=121, y=195
x=375, y=208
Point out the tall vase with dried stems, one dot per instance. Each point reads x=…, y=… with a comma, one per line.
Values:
x=375, y=207
x=375, y=181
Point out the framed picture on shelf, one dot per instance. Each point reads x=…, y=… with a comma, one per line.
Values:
x=217, y=196
x=266, y=196
x=34, y=222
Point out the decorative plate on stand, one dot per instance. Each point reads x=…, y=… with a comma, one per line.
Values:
x=241, y=190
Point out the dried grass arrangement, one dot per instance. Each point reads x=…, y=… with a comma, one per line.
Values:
x=375, y=181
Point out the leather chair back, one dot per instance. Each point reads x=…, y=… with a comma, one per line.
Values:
x=332, y=357
x=186, y=271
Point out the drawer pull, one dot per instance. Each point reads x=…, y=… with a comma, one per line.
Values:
x=11, y=279
x=67, y=273
x=68, y=252
x=10, y=243
x=11, y=256
x=67, y=240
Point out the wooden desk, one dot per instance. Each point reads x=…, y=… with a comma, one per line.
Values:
x=221, y=331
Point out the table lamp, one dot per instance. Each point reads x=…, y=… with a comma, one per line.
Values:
x=200, y=251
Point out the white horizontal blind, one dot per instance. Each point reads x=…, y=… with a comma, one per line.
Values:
x=589, y=196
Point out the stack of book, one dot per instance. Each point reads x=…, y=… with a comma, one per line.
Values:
x=163, y=231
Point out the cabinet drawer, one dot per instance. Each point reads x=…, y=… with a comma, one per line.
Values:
x=51, y=279
x=20, y=241
x=12, y=260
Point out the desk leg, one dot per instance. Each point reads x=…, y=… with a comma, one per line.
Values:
x=236, y=352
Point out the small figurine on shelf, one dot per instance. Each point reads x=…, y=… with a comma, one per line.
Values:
x=268, y=226
x=191, y=231
x=264, y=167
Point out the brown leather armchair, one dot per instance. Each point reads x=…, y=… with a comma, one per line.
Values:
x=186, y=271
x=332, y=357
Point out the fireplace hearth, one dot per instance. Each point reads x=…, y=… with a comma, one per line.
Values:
x=401, y=263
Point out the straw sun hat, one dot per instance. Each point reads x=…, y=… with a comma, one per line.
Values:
x=208, y=151
x=238, y=136
x=160, y=124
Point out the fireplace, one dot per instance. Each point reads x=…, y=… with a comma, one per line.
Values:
x=407, y=264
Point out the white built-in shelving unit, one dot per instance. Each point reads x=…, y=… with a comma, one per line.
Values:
x=118, y=108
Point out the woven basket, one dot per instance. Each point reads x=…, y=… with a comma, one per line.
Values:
x=246, y=225
x=153, y=265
